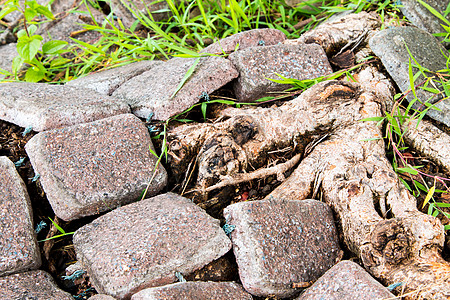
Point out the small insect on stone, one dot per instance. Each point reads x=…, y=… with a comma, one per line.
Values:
x=261, y=43
x=204, y=96
x=228, y=229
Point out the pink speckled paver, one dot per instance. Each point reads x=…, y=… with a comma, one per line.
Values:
x=18, y=246
x=281, y=242
x=153, y=92
x=246, y=39
x=346, y=281
x=89, y=168
x=195, y=290
x=257, y=64
x=35, y=285
x=44, y=106
x=106, y=82
x=143, y=244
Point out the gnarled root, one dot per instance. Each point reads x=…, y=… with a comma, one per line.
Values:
x=378, y=216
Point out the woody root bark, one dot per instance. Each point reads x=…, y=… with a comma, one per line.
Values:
x=337, y=161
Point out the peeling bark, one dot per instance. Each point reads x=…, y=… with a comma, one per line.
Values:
x=335, y=34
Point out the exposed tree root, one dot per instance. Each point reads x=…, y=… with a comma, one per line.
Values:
x=258, y=174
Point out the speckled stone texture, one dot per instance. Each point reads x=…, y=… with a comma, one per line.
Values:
x=389, y=46
x=7, y=54
x=68, y=25
x=195, y=290
x=151, y=91
x=119, y=7
x=18, y=247
x=247, y=39
x=257, y=64
x=143, y=244
x=101, y=297
x=421, y=17
x=89, y=168
x=281, y=242
x=44, y=106
x=106, y=82
x=32, y=285
x=346, y=281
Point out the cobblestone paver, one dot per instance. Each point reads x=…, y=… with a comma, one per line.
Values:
x=32, y=285
x=143, y=244
x=278, y=243
x=89, y=168
x=197, y=290
x=18, y=246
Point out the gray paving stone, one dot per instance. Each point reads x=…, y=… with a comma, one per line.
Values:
x=89, y=168
x=421, y=17
x=32, y=285
x=247, y=39
x=151, y=91
x=101, y=297
x=119, y=7
x=7, y=54
x=106, y=82
x=257, y=64
x=143, y=244
x=18, y=246
x=43, y=106
x=389, y=46
x=195, y=290
x=69, y=23
x=346, y=281
x=281, y=242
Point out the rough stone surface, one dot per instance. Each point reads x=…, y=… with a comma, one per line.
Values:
x=44, y=106
x=106, y=82
x=143, y=244
x=119, y=7
x=19, y=250
x=281, y=242
x=7, y=54
x=346, y=281
x=101, y=297
x=151, y=91
x=69, y=23
x=421, y=17
x=89, y=168
x=36, y=285
x=257, y=64
x=197, y=290
x=246, y=39
x=389, y=46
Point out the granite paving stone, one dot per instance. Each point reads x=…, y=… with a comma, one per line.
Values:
x=143, y=244
x=280, y=242
x=346, y=281
x=7, y=54
x=246, y=39
x=257, y=64
x=152, y=91
x=35, y=285
x=158, y=10
x=89, y=168
x=43, y=106
x=421, y=17
x=195, y=290
x=101, y=297
x=18, y=246
x=106, y=82
x=70, y=16
x=389, y=46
